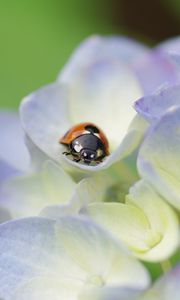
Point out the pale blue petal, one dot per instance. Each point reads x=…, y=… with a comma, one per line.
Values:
x=166, y=288
x=98, y=48
x=170, y=45
x=152, y=107
x=111, y=293
x=30, y=248
x=7, y=171
x=12, y=147
x=154, y=70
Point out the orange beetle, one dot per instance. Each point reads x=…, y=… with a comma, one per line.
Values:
x=86, y=142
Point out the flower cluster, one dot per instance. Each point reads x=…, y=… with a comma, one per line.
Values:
x=73, y=231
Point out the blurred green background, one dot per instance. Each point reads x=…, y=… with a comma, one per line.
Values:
x=38, y=36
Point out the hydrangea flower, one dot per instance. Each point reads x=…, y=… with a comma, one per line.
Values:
x=99, y=84
x=82, y=256
x=64, y=259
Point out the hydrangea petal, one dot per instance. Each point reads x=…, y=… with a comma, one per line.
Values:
x=12, y=149
x=154, y=70
x=7, y=171
x=175, y=58
x=88, y=245
x=109, y=293
x=151, y=67
x=97, y=47
x=167, y=287
x=47, y=288
x=152, y=107
x=102, y=96
x=36, y=247
x=162, y=219
x=158, y=159
x=171, y=45
x=97, y=78
x=44, y=116
x=28, y=195
x=30, y=248
x=128, y=223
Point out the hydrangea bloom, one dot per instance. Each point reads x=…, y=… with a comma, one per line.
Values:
x=58, y=255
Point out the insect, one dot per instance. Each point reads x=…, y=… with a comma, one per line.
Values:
x=86, y=143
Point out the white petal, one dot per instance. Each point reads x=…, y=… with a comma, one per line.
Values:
x=100, y=255
x=28, y=195
x=162, y=220
x=102, y=88
x=45, y=119
x=127, y=223
x=48, y=288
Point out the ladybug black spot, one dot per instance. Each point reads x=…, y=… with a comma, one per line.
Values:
x=92, y=129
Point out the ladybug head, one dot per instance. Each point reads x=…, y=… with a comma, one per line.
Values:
x=88, y=155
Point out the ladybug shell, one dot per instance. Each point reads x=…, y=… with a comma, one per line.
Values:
x=83, y=128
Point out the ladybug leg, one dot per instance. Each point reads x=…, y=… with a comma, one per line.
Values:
x=99, y=160
x=66, y=153
x=76, y=159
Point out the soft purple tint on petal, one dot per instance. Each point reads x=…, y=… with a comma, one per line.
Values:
x=171, y=45
x=175, y=58
x=7, y=171
x=153, y=70
x=98, y=48
x=12, y=148
x=152, y=67
x=111, y=293
x=166, y=288
x=152, y=107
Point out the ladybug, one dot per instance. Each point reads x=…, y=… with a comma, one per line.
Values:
x=86, y=142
